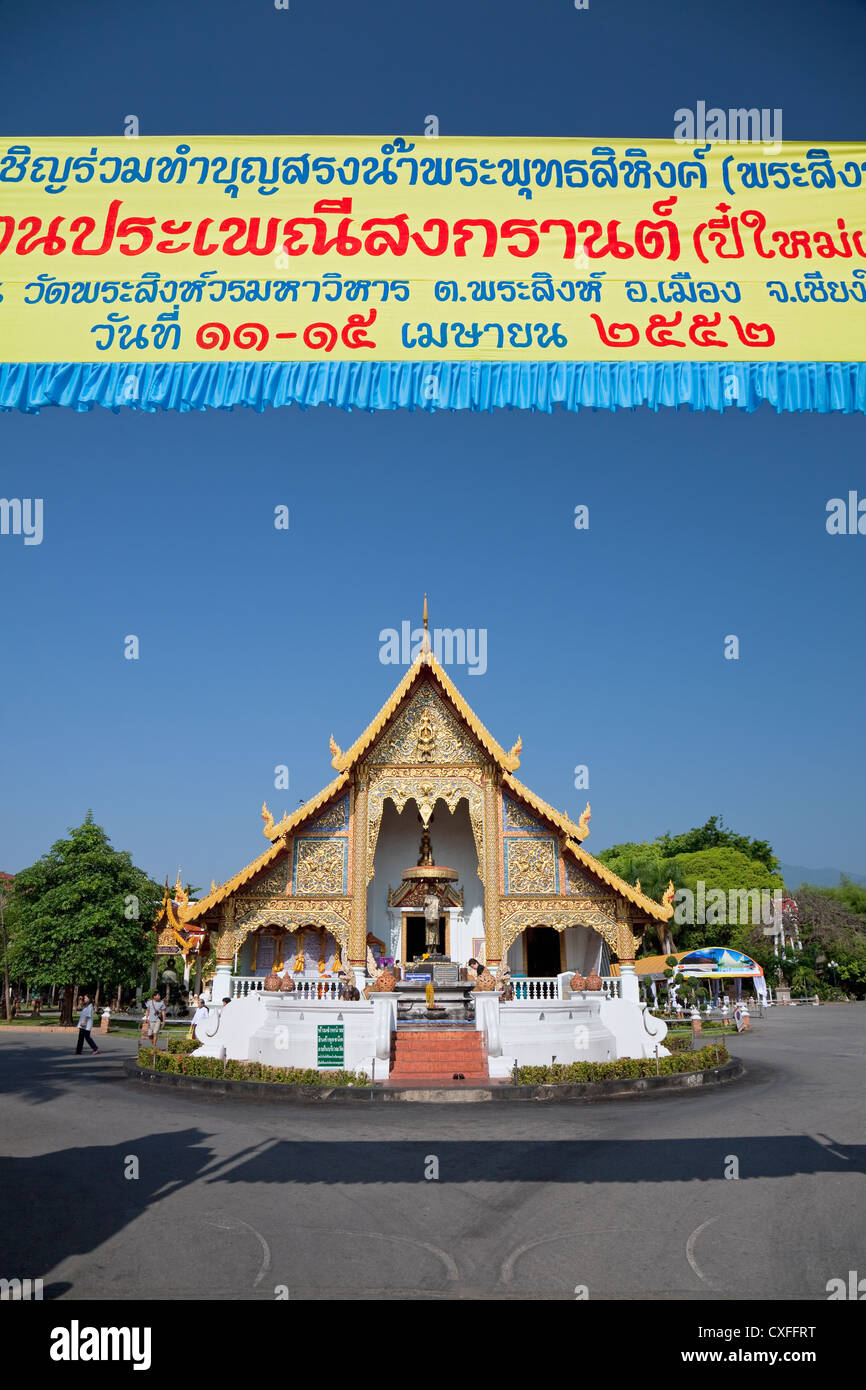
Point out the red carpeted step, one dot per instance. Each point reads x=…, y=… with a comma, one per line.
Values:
x=427, y=1056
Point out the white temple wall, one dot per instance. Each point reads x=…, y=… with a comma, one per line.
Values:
x=397, y=849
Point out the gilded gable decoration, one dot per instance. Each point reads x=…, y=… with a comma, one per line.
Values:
x=515, y=818
x=531, y=865
x=273, y=880
x=320, y=865
x=336, y=818
x=581, y=885
x=426, y=732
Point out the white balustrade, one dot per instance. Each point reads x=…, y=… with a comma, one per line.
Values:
x=538, y=987
x=611, y=986
x=310, y=991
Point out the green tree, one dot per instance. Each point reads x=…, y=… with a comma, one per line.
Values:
x=82, y=914
x=710, y=853
x=6, y=882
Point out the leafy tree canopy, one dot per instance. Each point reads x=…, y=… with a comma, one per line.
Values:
x=82, y=914
x=711, y=854
x=712, y=835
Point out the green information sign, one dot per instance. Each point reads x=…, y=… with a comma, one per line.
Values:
x=331, y=1044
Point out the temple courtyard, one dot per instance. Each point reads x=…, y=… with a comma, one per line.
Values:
x=239, y=1199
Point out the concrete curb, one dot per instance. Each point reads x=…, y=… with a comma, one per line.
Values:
x=42, y=1028
x=582, y=1093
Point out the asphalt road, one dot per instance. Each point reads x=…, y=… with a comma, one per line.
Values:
x=236, y=1199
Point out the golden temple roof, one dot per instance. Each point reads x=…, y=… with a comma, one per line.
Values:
x=425, y=664
x=559, y=818
x=509, y=762
x=225, y=890
x=317, y=803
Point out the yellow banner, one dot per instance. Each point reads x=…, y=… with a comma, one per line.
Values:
x=292, y=248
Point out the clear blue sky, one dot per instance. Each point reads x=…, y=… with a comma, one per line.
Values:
x=604, y=647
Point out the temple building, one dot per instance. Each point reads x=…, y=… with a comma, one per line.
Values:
x=358, y=874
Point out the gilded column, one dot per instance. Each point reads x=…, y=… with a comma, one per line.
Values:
x=358, y=923
x=625, y=952
x=225, y=954
x=492, y=928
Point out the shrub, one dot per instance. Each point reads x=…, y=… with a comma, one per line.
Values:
x=178, y=1062
x=716, y=1054
x=183, y=1044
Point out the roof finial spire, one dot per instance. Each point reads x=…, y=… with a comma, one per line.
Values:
x=425, y=641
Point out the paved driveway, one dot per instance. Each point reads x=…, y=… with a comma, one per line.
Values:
x=237, y=1199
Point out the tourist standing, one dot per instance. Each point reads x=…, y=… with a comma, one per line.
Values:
x=155, y=1018
x=201, y=1016
x=85, y=1023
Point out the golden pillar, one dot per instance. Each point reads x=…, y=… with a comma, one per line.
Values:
x=625, y=943
x=225, y=954
x=358, y=923
x=225, y=943
x=492, y=928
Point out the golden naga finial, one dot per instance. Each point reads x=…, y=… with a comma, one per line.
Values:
x=180, y=893
x=267, y=817
x=668, y=895
x=514, y=753
x=213, y=885
x=637, y=885
x=583, y=823
x=336, y=751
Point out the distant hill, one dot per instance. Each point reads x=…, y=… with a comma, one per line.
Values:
x=795, y=874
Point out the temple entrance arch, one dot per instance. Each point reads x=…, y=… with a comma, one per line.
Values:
x=543, y=951
x=395, y=904
x=402, y=785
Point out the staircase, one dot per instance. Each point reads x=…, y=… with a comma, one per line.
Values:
x=434, y=1056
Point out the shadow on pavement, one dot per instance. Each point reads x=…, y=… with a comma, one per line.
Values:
x=550, y=1161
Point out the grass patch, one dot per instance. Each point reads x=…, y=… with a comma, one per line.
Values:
x=625, y=1068
x=178, y=1062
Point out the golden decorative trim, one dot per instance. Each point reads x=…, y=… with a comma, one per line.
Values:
x=493, y=950
x=357, y=950
x=425, y=788
x=310, y=808
x=424, y=665
x=557, y=818
x=559, y=914
x=292, y=915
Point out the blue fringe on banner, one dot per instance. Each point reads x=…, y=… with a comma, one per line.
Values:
x=819, y=386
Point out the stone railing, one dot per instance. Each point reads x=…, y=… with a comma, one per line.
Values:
x=311, y=991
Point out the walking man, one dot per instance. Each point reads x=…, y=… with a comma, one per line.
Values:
x=155, y=1018
x=85, y=1023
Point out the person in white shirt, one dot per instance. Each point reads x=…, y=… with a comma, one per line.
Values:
x=85, y=1023
x=201, y=1016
